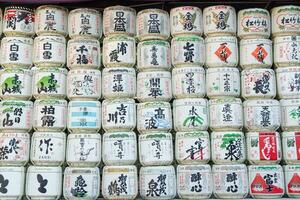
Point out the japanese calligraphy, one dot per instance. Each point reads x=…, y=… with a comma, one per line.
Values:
x=226, y=82
x=190, y=81
x=158, y=150
x=48, y=84
x=121, y=49
x=265, y=116
x=221, y=19
x=232, y=178
x=42, y=183
x=12, y=85
x=196, y=178
x=270, y=180
x=47, y=54
x=119, y=115
x=84, y=153
x=117, y=80
x=295, y=83
x=158, y=187
x=118, y=187
x=153, y=122
x=196, y=150
x=188, y=52
x=227, y=113
x=14, y=49
x=193, y=119
x=85, y=24
x=3, y=184
x=120, y=22
x=11, y=148
x=46, y=145
x=50, y=21
x=48, y=119
x=155, y=90
x=119, y=144
x=84, y=87
x=79, y=187
x=153, y=24
x=17, y=113
x=187, y=21
x=153, y=51
x=82, y=57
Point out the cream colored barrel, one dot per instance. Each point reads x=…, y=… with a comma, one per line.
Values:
x=154, y=117
x=187, y=188
x=285, y=20
x=288, y=82
x=18, y=21
x=16, y=84
x=219, y=20
x=221, y=51
x=254, y=23
x=15, y=149
x=48, y=148
x=190, y=114
x=83, y=53
x=291, y=147
x=192, y=148
x=85, y=22
x=119, y=148
x=263, y=147
x=16, y=52
x=256, y=53
x=258, y=83
x=225, y=114
x=266, y=181
x=291, y=174
x=126, y=176
x=118, y=82
x=230, y=181
x=119, y=20
x=188, y=82
x=51, y=20
x=155, y=149
x=286, y=51
x=153, y=24
x=262, y=115
x=290, y=114
x=186, y=20
x=43, y=182
x=223, y=82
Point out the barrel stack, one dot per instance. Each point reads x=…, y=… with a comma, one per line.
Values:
x=286, y=42
x=16, y=107
x=119, y=175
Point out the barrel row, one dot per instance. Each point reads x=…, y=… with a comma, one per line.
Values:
x=154, y=182
x=216, y=20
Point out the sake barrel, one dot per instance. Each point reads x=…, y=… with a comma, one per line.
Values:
x=16, y=84
x=186, y=20
x=119, y=20
x=14, y=149
x=292, y=176
x=262, y=115
x=83, y=149
x=226, y=114
x=254, y=23
x=266, y=181
x=49, y=51
x=230, y=181
x=43, y=182
x=84, y=84
x=291, y=147
x=188, y=82
x=118, y=115
x=194, y=181
x=83, y=53
x=187, y=51
x=1, y=22
x=258, y=83
x=256, y=53
x=219, y=20
x=18, y=20
x=288, y=82
x=119, y=50
x=154, y=117
x=81, y=183
x=85, y=22
x=290, y=114
x=119, y=148
x=192, y=148
x=118, y=82
x=13, y=181
x=51, y=20
x=154, y=86
x=153, y=55
x=221, y=51
x=50, y=115
x=16, y=116
x=155, y=149
x=48, y=148
x=286, y=51
x=190, y=114
x=16, y=52
x=49, y=82
x=223, y=82
x=84, y=116
x=126, y=180
x=285, y=20
x=153, y=24
x=163, y=176
x=263, y=147
x=228, y=147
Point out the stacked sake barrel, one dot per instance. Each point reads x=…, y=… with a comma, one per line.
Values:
x=190, y=109
x=286, y=39
x=15, y=91
x=157, y=179
x=226, y=115
x=83, y=149
x=119, y=176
